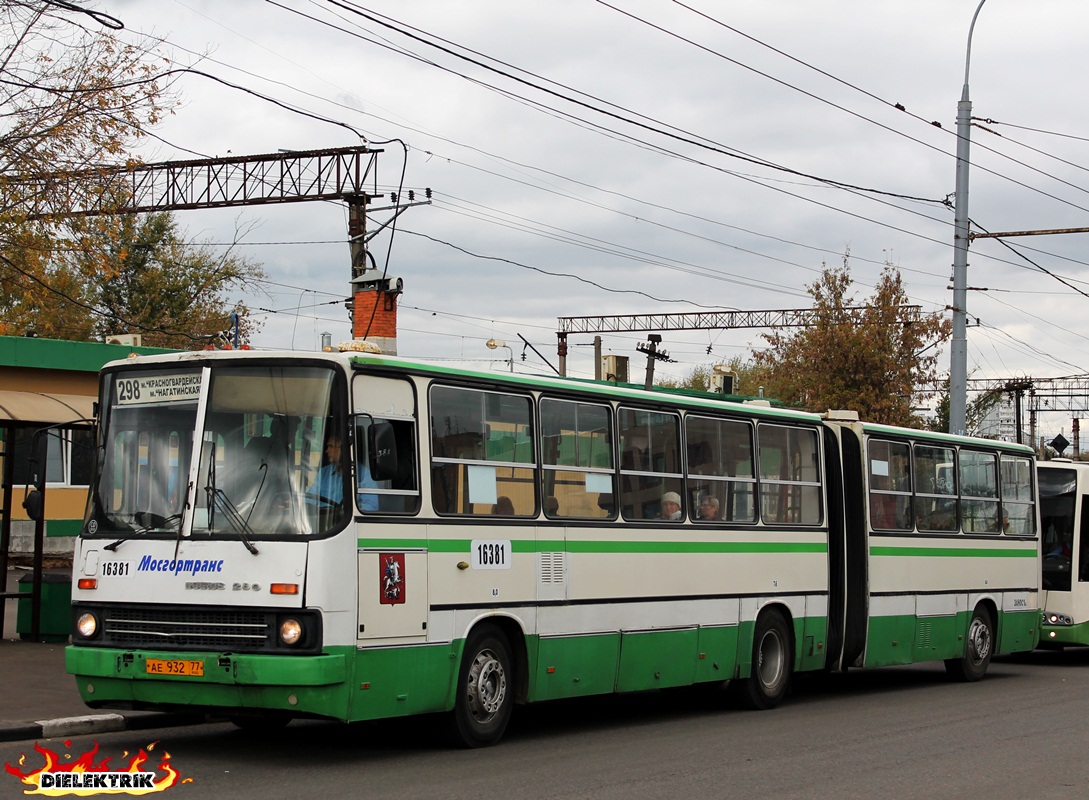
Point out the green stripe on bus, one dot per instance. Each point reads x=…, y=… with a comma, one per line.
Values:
x=463, y=546
x=697, y=547
x=953, y=552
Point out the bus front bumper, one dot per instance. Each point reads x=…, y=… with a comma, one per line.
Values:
x=1064, y=635
x=171, y=680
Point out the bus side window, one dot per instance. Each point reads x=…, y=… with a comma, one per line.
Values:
x=935, y=488
x=577, y=459
x=385, y=452
x=650, y=465
x=889, y=472
x=790, y=488
x=482, y=449
x=721, y=483
x=979, y=492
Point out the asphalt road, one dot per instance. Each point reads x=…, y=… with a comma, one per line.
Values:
x=896, y=733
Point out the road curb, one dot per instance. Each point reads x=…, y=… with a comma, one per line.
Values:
x=91, y=724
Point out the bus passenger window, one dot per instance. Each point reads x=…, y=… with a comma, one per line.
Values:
x=979, y=492
x=481, y=450
x=889, y=475
x=935, y=488
x=1018, y=506
x=650, y=465
x=790, y=489
x=721, y=483
x=577, y=459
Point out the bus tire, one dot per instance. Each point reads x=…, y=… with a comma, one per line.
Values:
x=772, y=661
x=485, y=689
x=978, y=649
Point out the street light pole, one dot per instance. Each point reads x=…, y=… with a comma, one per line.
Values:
x=492, y=344
x=958, y=355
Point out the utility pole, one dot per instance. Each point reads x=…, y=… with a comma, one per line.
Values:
x=653, y=354
x=958, y=355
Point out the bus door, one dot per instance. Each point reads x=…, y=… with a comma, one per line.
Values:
x=847, y=547
x=392, y=552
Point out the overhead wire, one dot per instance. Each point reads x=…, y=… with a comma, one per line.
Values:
x=895, y=105
x=658, y=127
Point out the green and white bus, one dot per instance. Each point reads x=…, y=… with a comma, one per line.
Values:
x=352, y=536
x=1064, y=521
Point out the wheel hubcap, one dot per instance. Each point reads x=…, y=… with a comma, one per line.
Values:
x=487, y=686
x=979, y=638
x=770, y=666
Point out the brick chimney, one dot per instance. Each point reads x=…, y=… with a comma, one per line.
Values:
x=374, y=309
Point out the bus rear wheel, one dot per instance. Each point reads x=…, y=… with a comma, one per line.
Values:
x=772, y=661
x=979, y=648
x=485, y=689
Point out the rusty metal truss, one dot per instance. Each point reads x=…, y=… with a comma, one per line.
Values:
x=286, y=177
x=781, y=318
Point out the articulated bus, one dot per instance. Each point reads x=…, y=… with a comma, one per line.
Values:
x=1064, y=521
x=354, y=537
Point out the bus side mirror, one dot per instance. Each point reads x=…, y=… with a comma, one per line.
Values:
x=33, y=503
x=39, y=455
x=382, y=451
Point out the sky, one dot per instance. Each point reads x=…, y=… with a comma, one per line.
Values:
x=594, y=158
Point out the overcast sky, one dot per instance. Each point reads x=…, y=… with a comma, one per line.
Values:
x=682, y=157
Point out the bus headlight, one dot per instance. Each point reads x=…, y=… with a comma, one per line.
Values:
x=1051, y=618
x=291, y=631
x=87, y=625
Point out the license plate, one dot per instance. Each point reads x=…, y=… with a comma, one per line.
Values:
x=174, y=666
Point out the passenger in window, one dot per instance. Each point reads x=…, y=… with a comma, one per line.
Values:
x=552, y=506
x=671, y=506
x=503, y=506
x=709, y=509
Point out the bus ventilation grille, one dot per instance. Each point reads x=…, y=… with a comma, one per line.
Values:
x=552, y=567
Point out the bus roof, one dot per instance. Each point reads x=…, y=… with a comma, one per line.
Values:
x=604, y=389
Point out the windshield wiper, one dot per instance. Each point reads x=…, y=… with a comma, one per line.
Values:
x=155, y=522
x=218, y=498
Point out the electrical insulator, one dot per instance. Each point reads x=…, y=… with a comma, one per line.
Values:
x=411, y=195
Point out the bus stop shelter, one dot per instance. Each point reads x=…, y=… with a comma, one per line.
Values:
x=22, y=413
x=52, y=384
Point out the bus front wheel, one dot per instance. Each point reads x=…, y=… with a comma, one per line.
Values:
x=979, y=648
x=485, y=690
x=772, y=660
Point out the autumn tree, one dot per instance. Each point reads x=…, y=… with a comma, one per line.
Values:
x=869, y=356
x=699, y=379
x=75, y=101
x=176, y=293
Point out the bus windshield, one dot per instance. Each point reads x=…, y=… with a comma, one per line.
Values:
x=1058, y=495
x=268, y=455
